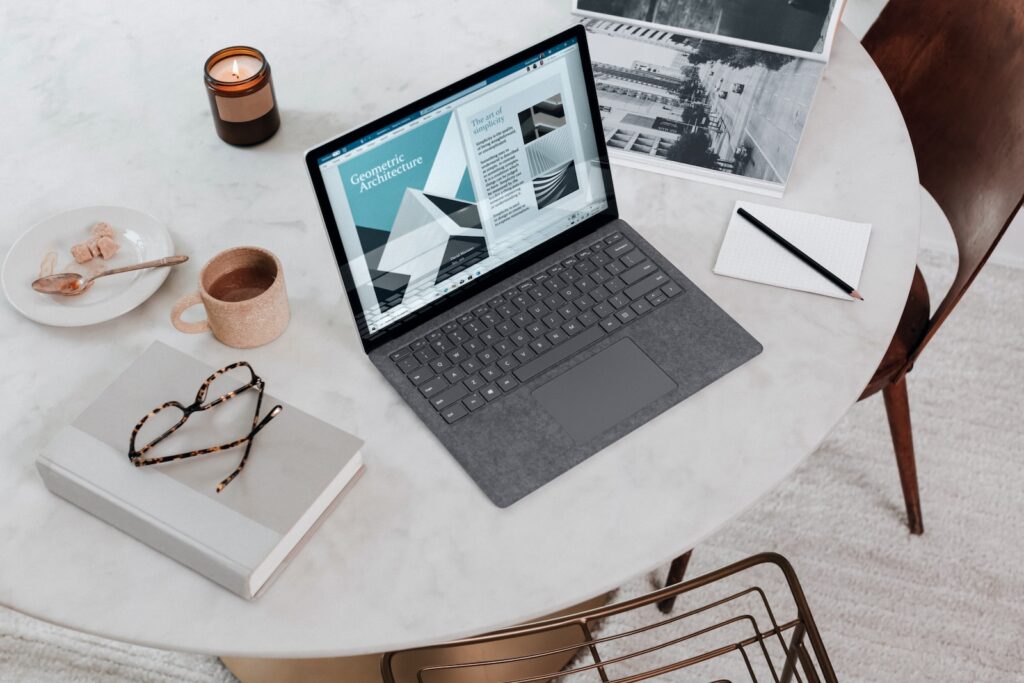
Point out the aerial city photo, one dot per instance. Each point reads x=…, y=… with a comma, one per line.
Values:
x=666, y=97
x=795, y=24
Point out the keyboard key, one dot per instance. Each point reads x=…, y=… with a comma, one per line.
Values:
x=454, y=375
x=600, y=276
x=536, y=329
x=553, y=284
x=408, y=364
x=600, y=259
x=420, y=375
x=552, y=320
x=570, y=276
x=454, y=412
x=508, y=363
x=490, y=337
x=506, y=310
x=599, y=293
x=474, y=346
x=557, y=336
x=604, y=309
x=641, y=306
x=586, y=267
x=615, y=285
x=457, y=355
x=475, y=382
x=480, y=310
x=487, y=357
x=587, y=319
x=540, y=345
x=570, y=262
x=648, y=284
x=537, y=310
x=435, y=334
x=450, y=395
x=569, y=293
x=521, y=300
x=506, y=328
x=553, y=301
x=507, y=383
x=657, y=298
x=568, y=311
x=572, y=328
x=613, y=238
x=639, y=272
x=490, y=392
x=473, y=401
x=522, y=319
x=418, y=344
x=619, y=249
x=671, y=289
x=490, y=318
x=584, y=284
x=633, y=258
x=472, y=365
x=474, y=327
x=504, y=347
x=625, y=315
x=424, y=355
x=611, y=323
x=615, y=268
x=458, y=337
x=559, y=353
x=400, y=354
x=520, y=337
x=523, y=353
x=538, y=293
x=490, y=373
x=598, y=246
x=439, y=364
x=441, y=344
x=618, y=300
x=450, y=326
x=434, y=386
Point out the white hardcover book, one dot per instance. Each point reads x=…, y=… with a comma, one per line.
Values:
x=240, y=537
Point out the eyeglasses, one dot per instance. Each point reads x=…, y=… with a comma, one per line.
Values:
x=199, y=405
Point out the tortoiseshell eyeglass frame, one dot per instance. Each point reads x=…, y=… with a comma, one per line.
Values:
x=136, y=455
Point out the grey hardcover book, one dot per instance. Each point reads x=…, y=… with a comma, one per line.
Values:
x=240, y=537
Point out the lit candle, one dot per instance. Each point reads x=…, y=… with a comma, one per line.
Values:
x=241, y=93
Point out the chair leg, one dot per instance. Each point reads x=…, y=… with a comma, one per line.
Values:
x=897, y=407
x=675, y=575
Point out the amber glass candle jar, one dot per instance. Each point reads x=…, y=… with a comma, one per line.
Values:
x=241, y=95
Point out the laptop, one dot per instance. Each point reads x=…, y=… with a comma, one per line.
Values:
x=494, y=284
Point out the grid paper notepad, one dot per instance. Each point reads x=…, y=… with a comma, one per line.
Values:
x=749, y=254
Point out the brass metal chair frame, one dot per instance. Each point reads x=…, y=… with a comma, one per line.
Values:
x=798, y=638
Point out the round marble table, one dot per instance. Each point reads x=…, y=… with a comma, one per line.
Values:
x=106, y=105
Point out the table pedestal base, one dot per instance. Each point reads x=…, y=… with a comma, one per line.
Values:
x=366, y=668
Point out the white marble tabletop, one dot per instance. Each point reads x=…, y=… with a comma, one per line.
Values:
x=105, y=105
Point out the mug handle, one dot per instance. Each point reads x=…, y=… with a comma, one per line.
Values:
x=185, y=302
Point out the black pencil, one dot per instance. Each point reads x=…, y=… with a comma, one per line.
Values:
x=800, y=255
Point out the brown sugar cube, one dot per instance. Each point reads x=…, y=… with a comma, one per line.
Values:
x=102, y=229
x=107, y=247
x=93, y=249
x=81, y=253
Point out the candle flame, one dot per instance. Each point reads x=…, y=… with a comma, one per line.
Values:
x=234, y=68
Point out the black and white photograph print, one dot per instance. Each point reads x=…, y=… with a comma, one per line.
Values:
x=671, y=98
x=542, y=118
x=559, y=182
x=802, y=25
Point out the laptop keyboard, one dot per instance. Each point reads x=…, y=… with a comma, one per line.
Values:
x=483, y=355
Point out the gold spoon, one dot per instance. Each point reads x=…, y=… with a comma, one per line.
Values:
x=73, y=284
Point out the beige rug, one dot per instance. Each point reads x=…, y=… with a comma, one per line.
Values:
x=947, y=606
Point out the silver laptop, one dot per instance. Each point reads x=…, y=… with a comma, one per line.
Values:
x=495, y=286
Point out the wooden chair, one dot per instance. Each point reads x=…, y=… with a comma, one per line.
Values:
x=957, y=71
x=747, y=621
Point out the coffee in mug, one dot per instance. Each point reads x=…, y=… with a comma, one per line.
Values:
x=242, y=290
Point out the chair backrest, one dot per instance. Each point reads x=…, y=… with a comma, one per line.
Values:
x=957, y=71
x=726, y=629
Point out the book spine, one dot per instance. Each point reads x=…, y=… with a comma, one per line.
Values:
x=145, y=528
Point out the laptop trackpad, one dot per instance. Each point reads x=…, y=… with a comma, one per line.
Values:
x=604, y=390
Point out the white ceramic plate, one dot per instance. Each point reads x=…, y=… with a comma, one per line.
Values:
x=141, y=237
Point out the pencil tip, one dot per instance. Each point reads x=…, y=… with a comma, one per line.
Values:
x=856, y=295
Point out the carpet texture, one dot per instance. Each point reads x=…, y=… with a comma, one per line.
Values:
x=891, y=607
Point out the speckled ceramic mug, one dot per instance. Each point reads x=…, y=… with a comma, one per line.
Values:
x=242, y=290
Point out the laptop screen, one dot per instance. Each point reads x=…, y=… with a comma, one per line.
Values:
x=435, y=200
